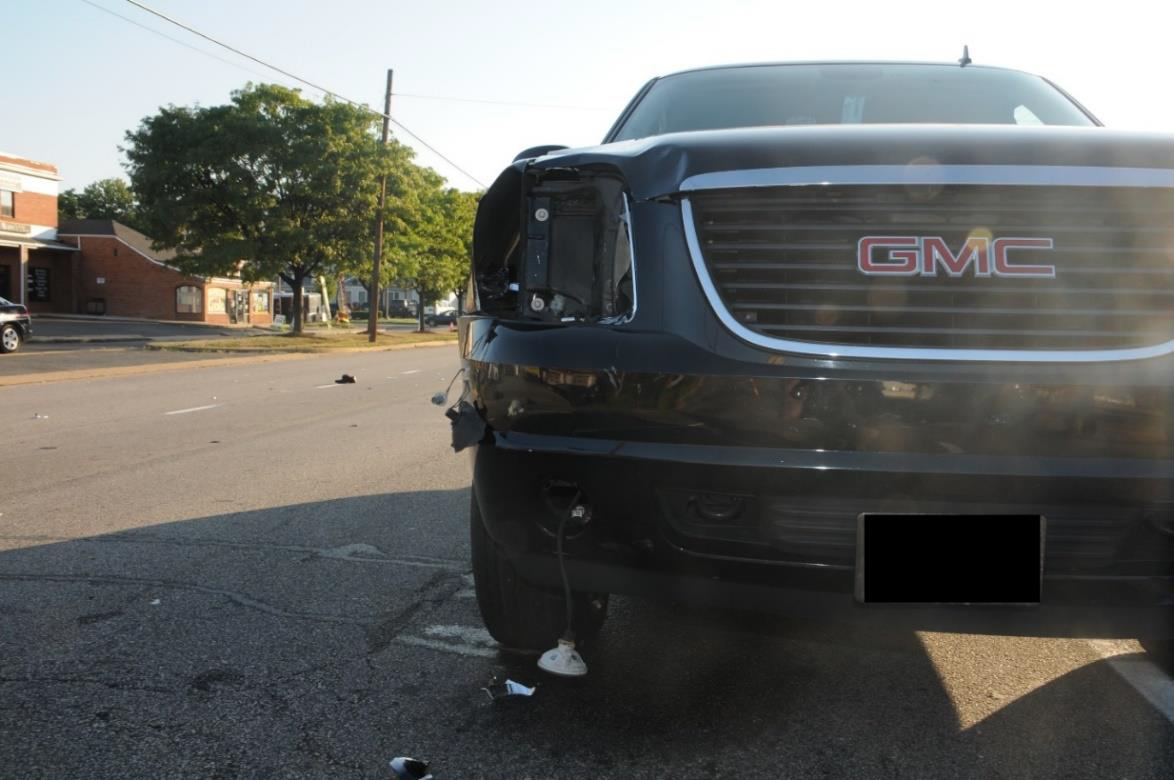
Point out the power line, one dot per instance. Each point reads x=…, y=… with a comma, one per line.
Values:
x=500, y=102
x=173, y=39
x=308, y=83
x=258, y=74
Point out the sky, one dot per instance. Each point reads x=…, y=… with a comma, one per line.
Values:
x=79, y=77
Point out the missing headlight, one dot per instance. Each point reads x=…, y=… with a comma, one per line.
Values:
x=564, y=256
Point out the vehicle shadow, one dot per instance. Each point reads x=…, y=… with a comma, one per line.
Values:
x=715, y=694
x=269, y=643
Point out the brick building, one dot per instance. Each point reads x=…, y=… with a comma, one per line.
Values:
x=118, y=273
x=35, y=268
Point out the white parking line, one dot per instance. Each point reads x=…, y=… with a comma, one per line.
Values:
x=323, y=387
x=1128, y=660
x=193, y=409
x=413, y=371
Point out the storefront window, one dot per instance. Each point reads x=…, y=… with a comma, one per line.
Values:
x=188, y=299
x=6, y=203
x=216, y=301
x=261, y=303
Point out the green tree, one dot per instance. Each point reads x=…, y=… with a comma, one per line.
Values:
x=433, y=252
x=405, y=212
x=102, y=199
x=464, y=212
x=270, y=184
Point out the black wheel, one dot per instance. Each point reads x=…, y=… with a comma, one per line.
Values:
x=9, y=338
x=518, y=614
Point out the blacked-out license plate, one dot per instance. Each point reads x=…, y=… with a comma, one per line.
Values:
x=949, y=559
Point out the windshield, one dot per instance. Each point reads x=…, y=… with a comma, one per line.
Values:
x=764, y=95
x=5, y=302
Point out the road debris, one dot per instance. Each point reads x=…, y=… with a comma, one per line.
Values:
x=502, y=690
x=345, y=379
x=40, y=417
x=155, y=602
x=404, y=768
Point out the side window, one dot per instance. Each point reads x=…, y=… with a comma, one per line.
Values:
x=189, y=299
x=261, y=302
x=6, y=204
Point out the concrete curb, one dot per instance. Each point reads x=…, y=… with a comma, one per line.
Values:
x=111, y=372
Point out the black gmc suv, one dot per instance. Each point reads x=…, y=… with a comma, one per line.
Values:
x=892, y=341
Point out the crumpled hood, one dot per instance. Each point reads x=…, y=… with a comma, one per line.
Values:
x=660, y=165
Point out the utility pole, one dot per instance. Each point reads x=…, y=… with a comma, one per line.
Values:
x=373, y=302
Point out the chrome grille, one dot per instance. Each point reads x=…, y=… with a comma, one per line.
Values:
x=783, y=262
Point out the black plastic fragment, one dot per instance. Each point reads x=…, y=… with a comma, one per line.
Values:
x=468, y=427
x=345, y=379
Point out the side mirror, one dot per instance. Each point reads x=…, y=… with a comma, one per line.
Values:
x=538, y=151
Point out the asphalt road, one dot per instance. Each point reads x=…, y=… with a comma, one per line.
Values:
x=249, y=571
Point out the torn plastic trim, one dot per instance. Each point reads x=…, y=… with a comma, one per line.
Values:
x=631, y=315
x=468, y=425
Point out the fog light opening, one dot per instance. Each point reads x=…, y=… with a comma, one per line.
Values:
x=565, y=500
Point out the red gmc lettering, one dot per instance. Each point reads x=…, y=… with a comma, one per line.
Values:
x=975, y=250
x=921, y=255
x=1003, y=265
x=900, y=262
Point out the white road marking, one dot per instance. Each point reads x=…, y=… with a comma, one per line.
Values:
x=194, y=409
x=462, y=640
x=323, y=387
x=412, y=371
x=448, y=647
x=473, y=636
x=1127, y=659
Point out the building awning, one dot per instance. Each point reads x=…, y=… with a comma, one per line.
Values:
x=37, y=243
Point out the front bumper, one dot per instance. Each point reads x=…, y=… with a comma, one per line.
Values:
x=650, y=426
x=1107, y=566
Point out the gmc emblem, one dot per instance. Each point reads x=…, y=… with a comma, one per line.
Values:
x=922, y=255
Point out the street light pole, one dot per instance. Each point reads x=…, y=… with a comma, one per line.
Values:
x=373, y=302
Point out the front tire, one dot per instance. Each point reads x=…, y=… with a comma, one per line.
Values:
x=9, y=338
x=518, y=614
